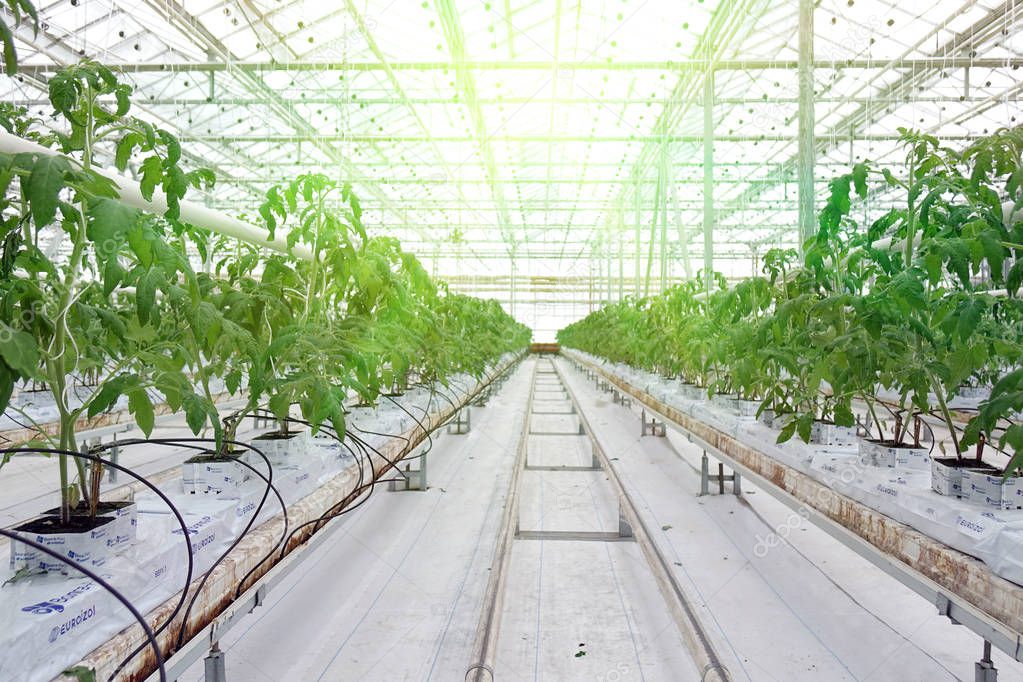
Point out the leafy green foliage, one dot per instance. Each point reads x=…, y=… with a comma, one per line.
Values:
x=127, y=309
x=20, y=9
x=908, y=303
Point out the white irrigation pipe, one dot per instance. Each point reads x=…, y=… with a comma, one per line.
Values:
x=192, y=213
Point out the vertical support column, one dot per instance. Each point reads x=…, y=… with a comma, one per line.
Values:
x=114, y=455
x=639, y=234
x=422, y=472
x=590, y=284
x=607, y=246
x=214, y=666
x=621, y=257
x=653, y=230
x=664, y=216
x=984, y=669
x=511, y=269
x=704, y=475
x=708, y=179
x=807, y=146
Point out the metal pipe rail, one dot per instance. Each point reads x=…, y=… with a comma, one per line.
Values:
x=484, y=649
x=193, y=213
x=701, y=65
x=693, y=632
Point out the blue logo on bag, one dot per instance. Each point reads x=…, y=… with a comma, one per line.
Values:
x=44, y=607
x=56, y=605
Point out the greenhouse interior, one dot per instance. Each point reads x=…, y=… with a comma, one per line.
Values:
x=493, y=341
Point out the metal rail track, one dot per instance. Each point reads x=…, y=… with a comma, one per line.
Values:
x=692, y=631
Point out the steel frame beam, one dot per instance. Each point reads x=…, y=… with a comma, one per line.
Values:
x=680, y=66
x=465, y=81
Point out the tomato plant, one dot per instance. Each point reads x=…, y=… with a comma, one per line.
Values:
x=909, y=303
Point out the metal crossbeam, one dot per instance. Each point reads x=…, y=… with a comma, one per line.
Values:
x=676, y=66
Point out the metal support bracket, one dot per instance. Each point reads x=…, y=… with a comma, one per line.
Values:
x=706, y=478
x=411, y=479
x=624, y=527
x=461, y=423
x=944, y=605
x=653, y=427
x=620, y=398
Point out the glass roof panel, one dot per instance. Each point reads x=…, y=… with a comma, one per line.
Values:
x=518, y=135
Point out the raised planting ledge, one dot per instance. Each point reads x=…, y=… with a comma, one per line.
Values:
x=960, y=586
x=105, y=419
x=219, y=591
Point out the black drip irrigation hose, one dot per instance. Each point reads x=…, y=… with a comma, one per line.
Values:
x=248, y=527
x=194, y=444
x=283, y=545
x=146, y=629
x=428, y=430
x=331, y=514
x=141, y=479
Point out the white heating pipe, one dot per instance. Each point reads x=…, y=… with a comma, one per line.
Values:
x=195, y=214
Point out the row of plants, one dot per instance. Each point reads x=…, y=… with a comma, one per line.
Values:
x=156, y=310
x=918, y=306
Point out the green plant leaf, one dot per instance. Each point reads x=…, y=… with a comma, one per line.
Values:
x=859, y=177
x=108, y=394
x=81, y=673
x=145, y=292
x=787, y=431
x=7, y=381
x=44, y=185
x=10, y=51
x=152, y=176
x=141, y=407
x=1015, y=277
x=969, y=315
x=124, y=150
x=110, y=222
x=19, y=350
x=197, y=410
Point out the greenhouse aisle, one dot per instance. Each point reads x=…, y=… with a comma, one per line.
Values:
x=807, y=609
x=394, y=594
x=581, y=602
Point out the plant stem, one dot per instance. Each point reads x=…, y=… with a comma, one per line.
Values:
x=946, y=414
x=910, y=215
x=873, y=415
